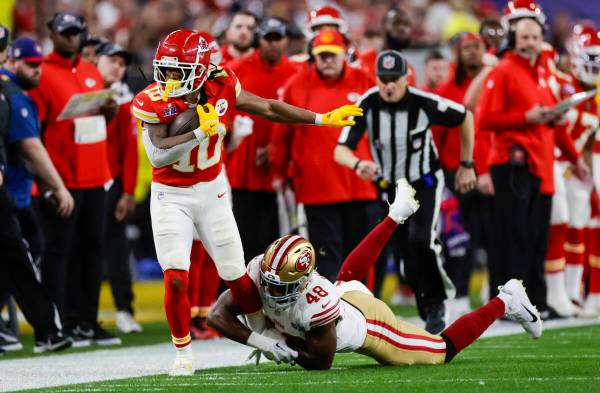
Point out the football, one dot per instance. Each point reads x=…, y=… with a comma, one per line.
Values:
x=184, y=122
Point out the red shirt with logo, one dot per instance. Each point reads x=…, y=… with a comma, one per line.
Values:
x=203, y=162
x=74, y=150
x=305, y=152
x=265, y=81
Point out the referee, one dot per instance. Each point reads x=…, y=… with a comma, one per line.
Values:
x=398, y=122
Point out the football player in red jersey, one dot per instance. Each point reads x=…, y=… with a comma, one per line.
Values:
x=189, y=187
x=312, y=318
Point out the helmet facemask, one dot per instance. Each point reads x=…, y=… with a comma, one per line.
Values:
x=586, y=65
x=280, y=294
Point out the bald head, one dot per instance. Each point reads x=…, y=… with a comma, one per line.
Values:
x=528, y=38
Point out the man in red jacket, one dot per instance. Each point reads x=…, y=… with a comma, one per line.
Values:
x=239, y=36
x=123, y=159
x=263, y=72
x=337, y=203
x=72, y=261
x=516, y=105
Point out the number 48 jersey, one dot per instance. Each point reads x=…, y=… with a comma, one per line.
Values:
x=319, y=304
x=203, y=162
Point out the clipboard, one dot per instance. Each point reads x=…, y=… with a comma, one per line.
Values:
x=572, y=101
x=85, y=104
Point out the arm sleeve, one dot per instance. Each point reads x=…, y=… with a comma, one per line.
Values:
x=493, y=105
x=23, y=120
x=130, y=162
x=351, y=135
x=564, y=142
x=163, y=157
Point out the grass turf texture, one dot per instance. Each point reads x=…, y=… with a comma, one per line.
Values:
x=565, y=360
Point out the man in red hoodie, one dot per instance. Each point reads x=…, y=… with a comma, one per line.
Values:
x=72, y=261
x=336, y=201
x=516, y=104
x=263, y=72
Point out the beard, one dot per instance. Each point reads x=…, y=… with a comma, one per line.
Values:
x=395, y=43
x=242, y=47
x=26, y=83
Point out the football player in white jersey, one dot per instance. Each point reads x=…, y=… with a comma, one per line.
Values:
x=311, y=318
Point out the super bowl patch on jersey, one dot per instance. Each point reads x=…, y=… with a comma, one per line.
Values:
x=221, y=106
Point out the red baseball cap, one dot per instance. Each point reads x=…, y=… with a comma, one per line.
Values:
x=330, y=41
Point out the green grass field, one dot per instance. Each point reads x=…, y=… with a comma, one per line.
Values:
x=563, y=360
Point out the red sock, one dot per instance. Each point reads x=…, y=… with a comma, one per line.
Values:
x=245, y=294
x=209, y=284
x=469, y=327
x=177, y=306
x=575, y=246
x=195, y=275
x=363, y=257
x=594, y=260
x=555, y=255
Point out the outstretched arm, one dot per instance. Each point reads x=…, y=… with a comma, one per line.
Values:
x=281, y=112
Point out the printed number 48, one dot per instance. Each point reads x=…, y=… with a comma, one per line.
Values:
x=319, y=293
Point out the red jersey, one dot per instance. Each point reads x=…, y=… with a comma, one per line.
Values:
x=367, y=62
x=122, y=146
x=511, y=89
x=74, y=145
x=308, y=149
x=447, y=140
x=265, y=81
x=202, y=163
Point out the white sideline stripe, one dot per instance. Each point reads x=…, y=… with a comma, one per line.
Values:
x=412, y=342
x=120, y=363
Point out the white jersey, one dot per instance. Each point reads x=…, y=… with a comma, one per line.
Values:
x=319, y=304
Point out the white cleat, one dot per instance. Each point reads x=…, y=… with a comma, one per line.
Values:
x=405, y=204
x=182, y=366
x=520, y=309
x=126, y=323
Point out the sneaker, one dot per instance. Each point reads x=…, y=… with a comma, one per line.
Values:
x=404, y=204
x=201, y=331
x=102, y=337
x=519, y=307
x=8, y=340
x=182, y=366
x=80, y=337
x=436, y=319
x=54, y=342
x=126, y=323
x=581, y=311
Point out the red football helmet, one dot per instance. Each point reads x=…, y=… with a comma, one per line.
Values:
x=186, y=51
x=326, y=15
x=215, y=49
x=517, y=9
x=584, y=48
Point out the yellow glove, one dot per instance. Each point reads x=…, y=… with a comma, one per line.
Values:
x=208, y=119
x=339, y=116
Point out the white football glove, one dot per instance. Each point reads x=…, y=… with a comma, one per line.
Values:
x=275, y=350
x=405, y=204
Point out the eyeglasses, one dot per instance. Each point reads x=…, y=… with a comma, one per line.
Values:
x=493, y=32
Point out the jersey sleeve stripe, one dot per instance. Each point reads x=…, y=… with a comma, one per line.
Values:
x=379, y=325
x=145, y=116
x=326, y=311
x=238, y=87
x=327, y=319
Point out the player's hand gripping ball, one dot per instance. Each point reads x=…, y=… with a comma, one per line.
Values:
x=209, y=119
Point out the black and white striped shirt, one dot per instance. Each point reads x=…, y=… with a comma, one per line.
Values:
x=399, y=133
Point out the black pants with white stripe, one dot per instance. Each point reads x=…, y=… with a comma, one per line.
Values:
x=17, y=273
x=416, y=243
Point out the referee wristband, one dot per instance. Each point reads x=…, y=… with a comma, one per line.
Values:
x=356, y=165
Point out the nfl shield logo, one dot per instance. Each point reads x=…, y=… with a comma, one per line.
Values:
x=388, y=62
